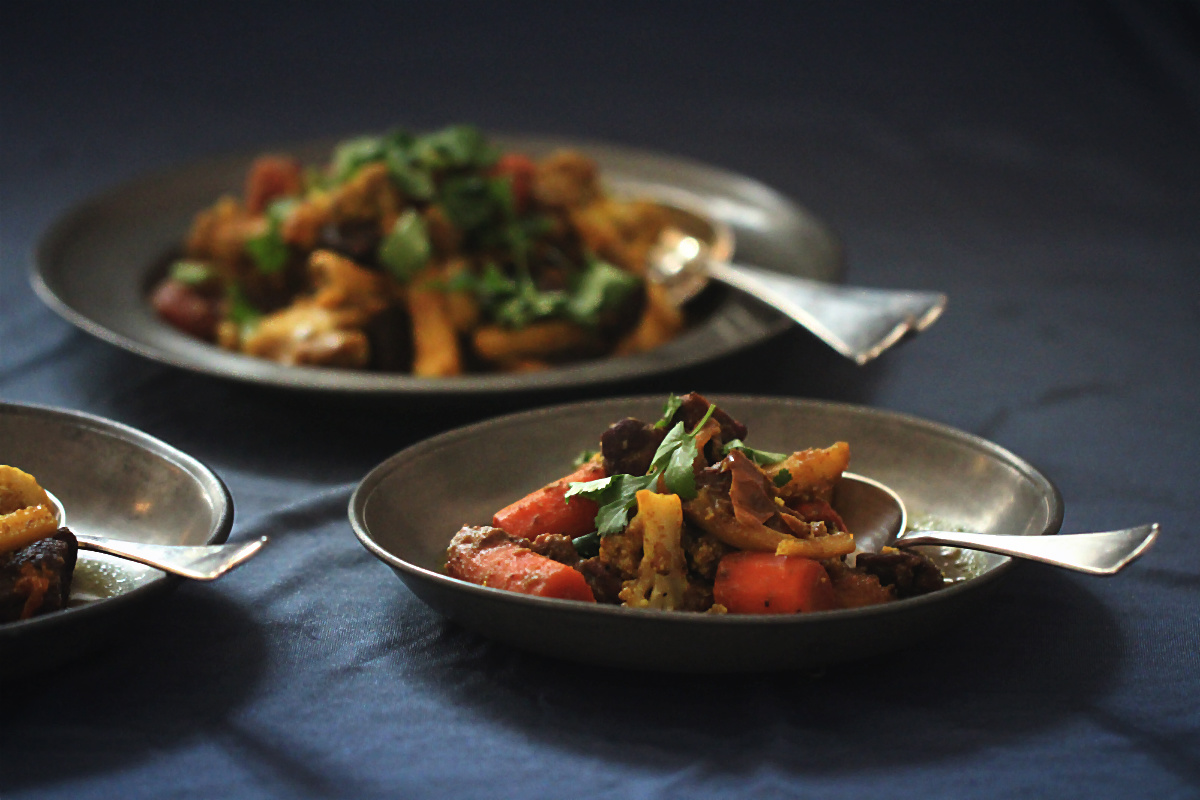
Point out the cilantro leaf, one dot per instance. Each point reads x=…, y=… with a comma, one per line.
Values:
x=191, y=273
x=782, y=478
x=240, y=310
x=673, y=404
x=406, y=249
x=616, y=496
x=353, y=154
x=764, y=458
x=455, y=147
x=268, y=250
x=601, y=287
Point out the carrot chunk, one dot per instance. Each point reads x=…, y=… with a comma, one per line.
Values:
x=547, y=511
x=488, y=557
x=764, y=583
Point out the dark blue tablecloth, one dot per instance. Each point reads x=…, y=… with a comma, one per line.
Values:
x=1039, y=164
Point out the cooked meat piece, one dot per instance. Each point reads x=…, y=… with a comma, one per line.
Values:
x=605, y=580
x=555, y=546
x=907, y=572
x=855, y=589
x=628, y=446
x=566, y=179
x=357, y=239
x=37, y=578
x=693, y=410
x=703, y=552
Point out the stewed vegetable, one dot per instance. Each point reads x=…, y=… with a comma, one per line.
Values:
x=434, y=254
x=681, y=515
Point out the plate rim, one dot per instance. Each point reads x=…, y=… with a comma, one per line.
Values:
x=361, y=495
x=218, y=534
x=326, y=380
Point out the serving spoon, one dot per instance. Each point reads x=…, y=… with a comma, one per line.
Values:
x=857, y=322
x=877, y=517
x=198, y=562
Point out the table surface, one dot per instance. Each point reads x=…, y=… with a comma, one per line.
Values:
x=1039, y=164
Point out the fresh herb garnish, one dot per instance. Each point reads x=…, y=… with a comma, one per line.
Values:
x=584, y=457
x=782, y=478
x=673, y=404
x=601, y=287
x=405, y=250
x=268, y=250
x=617, y=494
x=241, y=311
x=764, y=458
x=353, y=154
x=192, y=273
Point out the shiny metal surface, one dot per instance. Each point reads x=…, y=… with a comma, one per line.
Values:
x=1104, y=553
x=858, y=322
x=406, y=510
x=200, y=563
x=114, y=482
x=880, y=519
x=93, y=267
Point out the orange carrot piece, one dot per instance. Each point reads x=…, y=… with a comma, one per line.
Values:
x=547, y=511
x=764, y=583
x=507, y=565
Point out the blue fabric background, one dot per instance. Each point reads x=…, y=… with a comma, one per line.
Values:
x=1040, y=164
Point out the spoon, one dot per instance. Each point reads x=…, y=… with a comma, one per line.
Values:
x=198, y=562
x=857, y=322
x=877, y=517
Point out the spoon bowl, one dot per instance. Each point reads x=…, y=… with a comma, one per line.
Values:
x=197, y=562
x=859, y=323
x=877, y=517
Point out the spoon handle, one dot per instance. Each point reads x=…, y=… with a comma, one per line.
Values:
x=1096, y=553
x=859, y=323
x=201, y=563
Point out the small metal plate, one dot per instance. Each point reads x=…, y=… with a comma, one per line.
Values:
x=113, y=481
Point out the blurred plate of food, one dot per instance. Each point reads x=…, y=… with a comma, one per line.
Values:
x=111, y=480
x=445, y=507
x=442, y=264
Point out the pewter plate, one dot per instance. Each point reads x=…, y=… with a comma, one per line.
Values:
x=93, y=267
x=406, y=510
x=114, y=481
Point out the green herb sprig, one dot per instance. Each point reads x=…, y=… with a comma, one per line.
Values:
x=617, y=494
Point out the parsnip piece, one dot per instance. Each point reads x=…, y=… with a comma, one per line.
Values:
x=435, y=342
x=813, y=472
x=535, y=341
x=820, y=548
x=660, y=323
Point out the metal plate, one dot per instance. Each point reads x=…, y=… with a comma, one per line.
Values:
x=114, y=481
x=93, y=267
x=407, y=509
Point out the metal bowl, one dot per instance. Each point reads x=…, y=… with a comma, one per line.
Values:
x=114, y=481
x=406, y=510
x=94, y=267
